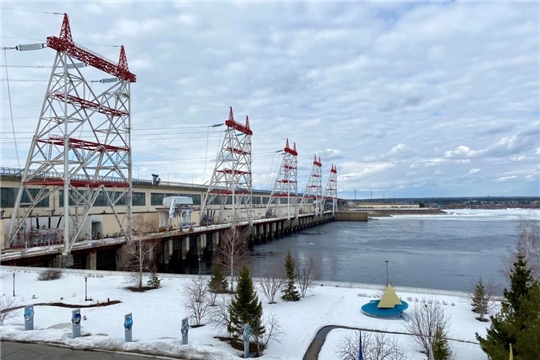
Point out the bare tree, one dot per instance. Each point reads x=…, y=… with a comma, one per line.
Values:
x=375, y=346
x=270, y=281
x=212, y=297
x=482, y=297
x=197, y=304
x=140, y=252
x=232, y=252
x=426, y=316
x=272, y=332
x=528, y=245
x=6, y=308
x=220, y=315
x=306, y=271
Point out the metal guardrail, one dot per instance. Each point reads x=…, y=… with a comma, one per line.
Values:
x=15, y=254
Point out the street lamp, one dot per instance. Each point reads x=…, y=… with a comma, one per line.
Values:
x=85, y=287
x=13, y=272
x=386, y=261
x=200, y=256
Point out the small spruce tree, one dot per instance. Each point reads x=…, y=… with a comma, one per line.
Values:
x=478, y=296
x=290, y=293
x=441, y=349
x=154, y=280
x=218, y=283
x=510, y=324
x=520, y=283
x=245, y=308
x=480, y=300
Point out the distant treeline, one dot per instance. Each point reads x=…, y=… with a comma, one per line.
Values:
x=482, y=201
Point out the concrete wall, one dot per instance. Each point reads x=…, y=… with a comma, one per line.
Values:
x=351, y=216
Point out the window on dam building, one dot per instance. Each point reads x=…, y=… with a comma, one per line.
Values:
x=156, y=199
x=139, y=199
x=8, y=196
x=101, y=199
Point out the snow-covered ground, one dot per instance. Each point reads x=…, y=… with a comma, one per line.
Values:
x=157, y=316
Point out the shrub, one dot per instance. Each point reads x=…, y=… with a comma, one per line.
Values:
x=50, y=274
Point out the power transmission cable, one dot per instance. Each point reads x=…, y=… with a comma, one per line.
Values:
x=11, y=113
x=36, y=11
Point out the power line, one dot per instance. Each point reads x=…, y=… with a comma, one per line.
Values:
x=25, y=80
x=35, y=11
x=27, y=66
x=11, y=113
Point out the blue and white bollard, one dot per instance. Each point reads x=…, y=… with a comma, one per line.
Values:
x=29, y=317
x=76, y=323
x=246, y=335
x=128, y=325
x=185, y=331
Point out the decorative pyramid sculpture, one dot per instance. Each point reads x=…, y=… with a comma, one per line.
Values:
x=389, y=300
x=389, y=306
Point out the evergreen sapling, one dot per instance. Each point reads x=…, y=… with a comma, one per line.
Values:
x=290, y=293
x=245, y=308
x=218, y=283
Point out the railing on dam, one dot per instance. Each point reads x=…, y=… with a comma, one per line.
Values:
x=34, y=251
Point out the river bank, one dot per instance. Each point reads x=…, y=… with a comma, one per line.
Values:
x=392, y=212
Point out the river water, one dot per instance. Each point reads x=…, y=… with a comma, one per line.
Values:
x=447, y=252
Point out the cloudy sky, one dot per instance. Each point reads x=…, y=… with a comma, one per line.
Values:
x=407, y=99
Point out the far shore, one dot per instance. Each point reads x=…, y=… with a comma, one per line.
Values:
x=410, y=211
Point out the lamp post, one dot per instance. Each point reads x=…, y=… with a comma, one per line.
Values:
x=85, y=287
x=200, y=255
x=13, y=272
x=386, y=261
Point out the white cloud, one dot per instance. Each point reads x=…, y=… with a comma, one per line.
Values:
x=399, y=148
x=506, y=178
x=462, y=151
x=377, y=89
x=474, y=171
x=332, y=154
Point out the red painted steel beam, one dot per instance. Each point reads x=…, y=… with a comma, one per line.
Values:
x=65, y=43
x=83, y=144
x=238, y=151
x=78, y=183
x=87, y=104
x=229, y=171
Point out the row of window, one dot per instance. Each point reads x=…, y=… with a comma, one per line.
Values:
x=8, y=196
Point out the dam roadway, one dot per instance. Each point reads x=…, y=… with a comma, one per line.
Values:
x=176, y=245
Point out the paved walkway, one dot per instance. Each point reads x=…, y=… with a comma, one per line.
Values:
x=312, y=352
x=25, y=351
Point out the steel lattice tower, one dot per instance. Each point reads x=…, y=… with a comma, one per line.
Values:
x=82, y=145
x=330, y=193
x=313, y=191
x=286, y=185
x=231, y=181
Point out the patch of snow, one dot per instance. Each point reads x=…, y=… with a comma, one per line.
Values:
x=157, y=316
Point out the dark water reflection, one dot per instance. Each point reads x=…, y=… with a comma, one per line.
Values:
x=428, y=253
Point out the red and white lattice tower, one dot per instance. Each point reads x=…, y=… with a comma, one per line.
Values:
x=330, y=193
x=231, y=182
x=286, y=185
x=82, y=144
x=313, y=193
